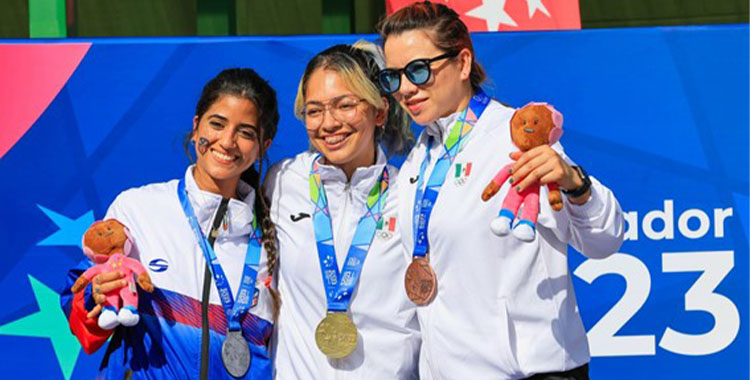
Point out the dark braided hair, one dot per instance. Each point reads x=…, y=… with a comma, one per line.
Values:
x=247, y=84
x=446, y=30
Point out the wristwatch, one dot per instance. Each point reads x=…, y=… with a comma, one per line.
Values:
x=577, y=192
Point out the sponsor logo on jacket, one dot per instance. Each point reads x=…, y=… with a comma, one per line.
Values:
x=158, y=265
x=299, y=216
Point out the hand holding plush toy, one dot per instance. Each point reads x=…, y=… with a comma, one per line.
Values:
x=107, y=243
x=533, y=125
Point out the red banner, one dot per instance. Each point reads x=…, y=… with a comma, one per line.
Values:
x=500, y=15
x=31, y=76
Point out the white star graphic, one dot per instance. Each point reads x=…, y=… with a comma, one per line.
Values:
x=493, y=12
x=535, y=5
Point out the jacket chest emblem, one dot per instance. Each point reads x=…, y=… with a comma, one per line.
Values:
x=158, y=265
x=461, y=173
x=386, y=227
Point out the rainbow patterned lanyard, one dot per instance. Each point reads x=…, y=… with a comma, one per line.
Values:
x=425, y=198
x=340, y=286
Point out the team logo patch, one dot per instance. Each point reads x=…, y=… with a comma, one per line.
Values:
x=386, y=227
x=462, y=173
x=158, y=265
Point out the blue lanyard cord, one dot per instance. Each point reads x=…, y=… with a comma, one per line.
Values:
x=340, y=286
x=233, y=310
x=424, y=199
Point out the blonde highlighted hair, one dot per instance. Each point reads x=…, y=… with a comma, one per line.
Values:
x=358, y=66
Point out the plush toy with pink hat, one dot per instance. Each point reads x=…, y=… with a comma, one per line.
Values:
x=533, y=125
x=108, y=243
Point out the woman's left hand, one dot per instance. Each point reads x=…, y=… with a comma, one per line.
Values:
x=542, y=164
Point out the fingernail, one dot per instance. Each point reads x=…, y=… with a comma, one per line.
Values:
x=511, y=180
x=518, y=189
x=510, y=171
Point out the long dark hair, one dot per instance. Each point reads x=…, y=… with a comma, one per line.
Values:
x=446, y=30
x=247, y=84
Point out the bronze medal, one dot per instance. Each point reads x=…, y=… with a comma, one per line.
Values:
x=420, y=281
x=336, y=335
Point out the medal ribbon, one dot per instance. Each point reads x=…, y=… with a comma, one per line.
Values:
x=233, y=310
x=425, y=198
x=340, y=286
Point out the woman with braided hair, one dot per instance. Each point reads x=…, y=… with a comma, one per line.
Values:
x=209, y=247
x=344, y=314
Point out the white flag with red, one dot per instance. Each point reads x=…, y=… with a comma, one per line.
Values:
x=497, y=15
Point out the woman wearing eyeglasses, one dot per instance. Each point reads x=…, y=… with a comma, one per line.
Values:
x=344, y=314
x=490, y=307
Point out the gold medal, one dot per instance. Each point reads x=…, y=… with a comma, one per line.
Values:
x=336, y=335
x=420, y=281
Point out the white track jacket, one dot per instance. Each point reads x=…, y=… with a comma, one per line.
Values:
x=505, y=309
x=166, y=343
x=389, y=340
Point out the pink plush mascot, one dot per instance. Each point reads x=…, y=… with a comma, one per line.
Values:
x=108, y=243
x=533, y=125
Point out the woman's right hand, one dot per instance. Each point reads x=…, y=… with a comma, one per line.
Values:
x=100, y=286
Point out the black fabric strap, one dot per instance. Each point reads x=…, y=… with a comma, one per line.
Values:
x=575, y=193
x=207, y=278
x=580, y=373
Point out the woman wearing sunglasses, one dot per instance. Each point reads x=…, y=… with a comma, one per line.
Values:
x=344, y=314
x=488, y=306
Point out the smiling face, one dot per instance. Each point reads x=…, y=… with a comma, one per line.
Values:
x=226, y=142
x=347, y=140
x=105, y=238
x=530, y=126
x=447, y=91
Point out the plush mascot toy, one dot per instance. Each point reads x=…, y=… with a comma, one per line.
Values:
x=107, y=243
x=533, y=125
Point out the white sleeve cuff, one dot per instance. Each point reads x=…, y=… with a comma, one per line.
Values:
x=589, y=210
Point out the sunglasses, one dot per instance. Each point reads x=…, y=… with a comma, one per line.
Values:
x=417, y=71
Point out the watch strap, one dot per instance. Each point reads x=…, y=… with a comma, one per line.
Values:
x=577, y=192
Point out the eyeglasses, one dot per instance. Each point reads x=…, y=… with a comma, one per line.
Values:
x=342, y=109
x=417, y=71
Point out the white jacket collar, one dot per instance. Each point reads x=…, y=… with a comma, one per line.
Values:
x=441, y=128
x=205, y=204
x=362, y=180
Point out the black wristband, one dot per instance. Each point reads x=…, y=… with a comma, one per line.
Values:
x=577, y=192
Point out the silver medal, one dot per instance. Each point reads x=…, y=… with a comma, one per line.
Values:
x=235, y=353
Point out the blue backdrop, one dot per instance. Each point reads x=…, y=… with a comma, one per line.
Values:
x=660, y=115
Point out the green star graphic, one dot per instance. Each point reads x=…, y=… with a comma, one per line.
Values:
x=48, y=322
